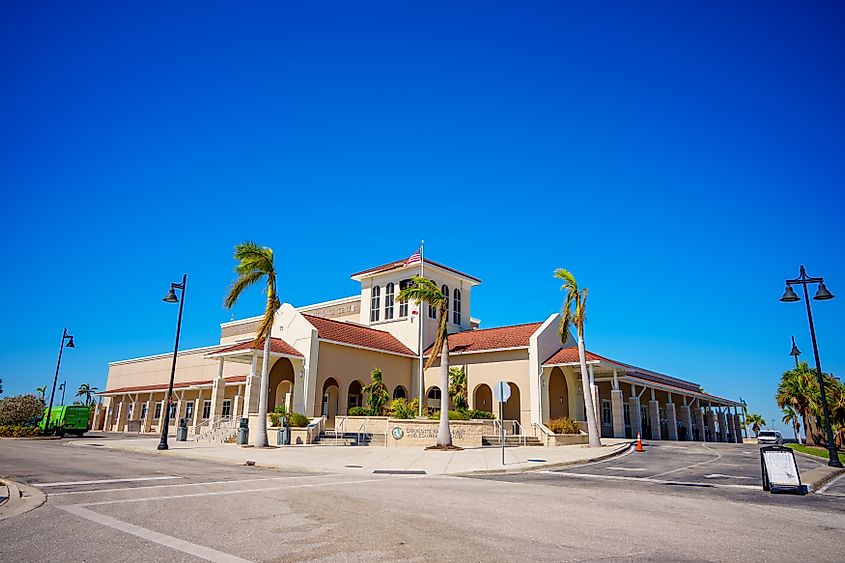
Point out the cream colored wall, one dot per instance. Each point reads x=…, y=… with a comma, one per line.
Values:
x=190, y=366
x=346, y=364
x=490, y=367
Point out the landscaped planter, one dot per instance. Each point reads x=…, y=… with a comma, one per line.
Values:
x=566, y=439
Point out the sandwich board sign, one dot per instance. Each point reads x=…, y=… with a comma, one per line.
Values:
x=780, y=471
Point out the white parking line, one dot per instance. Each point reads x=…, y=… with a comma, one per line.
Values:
x=718, y=457
x=155, y=537
x=653, y=480
x=100, y=481
x=174, y=485
x=234, y=492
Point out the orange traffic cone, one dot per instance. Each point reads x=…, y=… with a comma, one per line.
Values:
x=639, y=447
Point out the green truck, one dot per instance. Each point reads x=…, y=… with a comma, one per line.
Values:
x=71, y=419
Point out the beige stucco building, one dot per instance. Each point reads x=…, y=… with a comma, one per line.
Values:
x=322, y=355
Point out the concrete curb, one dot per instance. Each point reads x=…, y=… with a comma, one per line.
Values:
x=22, y=498
x=817, y=478
x=618, y=449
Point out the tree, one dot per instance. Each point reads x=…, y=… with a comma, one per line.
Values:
x=424, y=290
x=85, y=390
x=377, y=393
x=458, y=388
x=791, y=417
x=755, y=421
x=574, y=312
x=15, y=411
x=255, y=263
x=799, y=389
x=41, y=391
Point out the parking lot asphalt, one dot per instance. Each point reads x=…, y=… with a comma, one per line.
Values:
x=692, y=469
x=108, y=505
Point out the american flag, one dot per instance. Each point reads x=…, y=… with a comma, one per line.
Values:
x=415, y=258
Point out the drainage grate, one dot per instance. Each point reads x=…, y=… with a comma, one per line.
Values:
x=354, y=466
x=399, y=471
x=689, y=485
x=537, y=460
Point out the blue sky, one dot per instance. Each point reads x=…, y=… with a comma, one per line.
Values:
x=681, y=159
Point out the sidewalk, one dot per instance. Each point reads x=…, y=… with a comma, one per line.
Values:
x=367, y=459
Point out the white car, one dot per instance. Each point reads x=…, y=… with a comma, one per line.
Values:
x=769, y=437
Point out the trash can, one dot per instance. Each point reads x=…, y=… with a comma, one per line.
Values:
x=182, y=430
x=283, y=436
x=243, y=432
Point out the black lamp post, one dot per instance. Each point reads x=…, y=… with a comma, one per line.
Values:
x=822, y=294
x=62, y=346
x=795, y=352
x=171, y=298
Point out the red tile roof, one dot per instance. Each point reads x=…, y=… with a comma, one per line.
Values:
x=401, y=263
x=570, y=356
x=231, y=380
x=357, y=335
x=277, y=346
x=479, y=340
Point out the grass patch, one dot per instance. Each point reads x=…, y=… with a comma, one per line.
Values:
x=815, y=451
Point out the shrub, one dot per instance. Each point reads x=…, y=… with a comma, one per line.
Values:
x=17, y=431
x=17, y=410
x=453, y=415
x=400, y=408
x=564, y=425
x=360, y=411
x=298, y=420
x=275, y=419
x=474, y=414
x=280, y=410
x=377, y=393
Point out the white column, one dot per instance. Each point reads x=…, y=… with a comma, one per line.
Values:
x=699, y=422
x=723, y=426
x=198, y=408
x=671, y=421
x=218, y=390
x=253, y=387
x=654, y=417
x=737, y=428
x=634, y=409
x=710, y=421
x=686, y=419
x=617, y=408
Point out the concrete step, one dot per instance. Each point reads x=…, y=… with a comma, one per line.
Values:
x=511, y=441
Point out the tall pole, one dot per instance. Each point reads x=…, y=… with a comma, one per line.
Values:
x=63, y=387
x=833, y=457
x=422, y=320
x=162, y=445
x=55, y=378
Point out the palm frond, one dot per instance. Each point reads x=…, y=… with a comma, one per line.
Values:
x=239, y=285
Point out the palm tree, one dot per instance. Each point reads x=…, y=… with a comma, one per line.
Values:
x=798, y=389
x=458, y=388
x=42, y=391
x=755, y=421
x=377, y=393
x=254, y=264
x=424, y=290
x=575, y=313
x=791, y=417
x=86, y=391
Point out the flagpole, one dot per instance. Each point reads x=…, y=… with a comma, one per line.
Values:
x=420, y=313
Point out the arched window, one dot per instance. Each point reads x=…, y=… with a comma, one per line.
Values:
x=456, y=307
x=375, y=301
x=432, y=312
x=388, y=301
x=399, y=392
x=403, y=303
x=445, y=291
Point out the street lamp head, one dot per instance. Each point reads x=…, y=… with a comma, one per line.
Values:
x=795, y=351
x=822, y=293
x=171, y=297
x=789, y=295
x=70, y=343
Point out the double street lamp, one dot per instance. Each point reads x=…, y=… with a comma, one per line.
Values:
x=67, y=342
x=822, y=294
x=171, y=298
